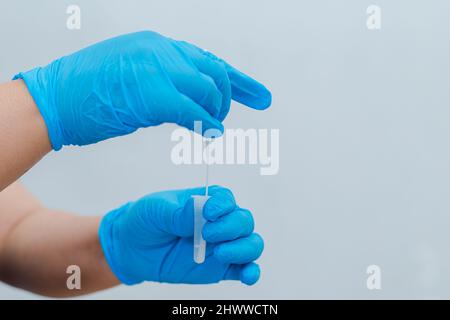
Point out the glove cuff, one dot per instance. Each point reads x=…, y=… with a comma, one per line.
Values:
x=37, y=84
x=106, y=234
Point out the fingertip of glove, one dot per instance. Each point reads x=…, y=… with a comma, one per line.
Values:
x=213, y=129
x=266, y=100
x=263, y=100
x=250, y=274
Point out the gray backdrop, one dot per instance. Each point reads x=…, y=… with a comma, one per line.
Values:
x=364, y=123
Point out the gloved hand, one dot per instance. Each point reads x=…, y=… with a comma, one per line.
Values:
x=133, y=81
x=152, y=239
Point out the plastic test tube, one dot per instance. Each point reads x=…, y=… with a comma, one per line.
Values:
x=199, y=222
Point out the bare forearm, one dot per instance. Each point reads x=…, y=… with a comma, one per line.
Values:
x=23, y=134
x=37, y=252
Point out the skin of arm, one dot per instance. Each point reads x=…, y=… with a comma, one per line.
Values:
x=38, y=244
x=24, y=138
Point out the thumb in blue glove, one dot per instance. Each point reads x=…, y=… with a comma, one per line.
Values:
x=134, y=81
x=152, y=239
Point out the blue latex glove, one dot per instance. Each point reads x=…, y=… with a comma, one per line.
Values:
x=133, y=81
x=152, y=239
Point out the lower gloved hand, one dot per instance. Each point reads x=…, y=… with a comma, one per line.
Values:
x=134, y=81
x=152, y=239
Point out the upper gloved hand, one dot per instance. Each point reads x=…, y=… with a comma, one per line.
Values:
x=152, y=239
x=133, y=81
